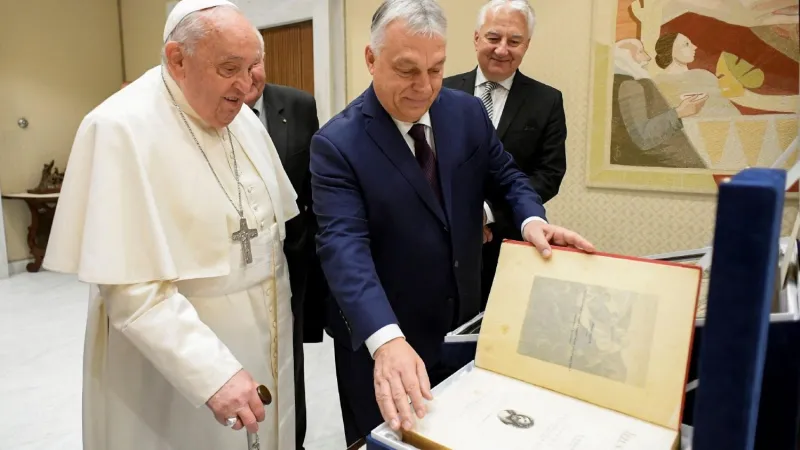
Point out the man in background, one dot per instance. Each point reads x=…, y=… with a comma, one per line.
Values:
x=290, y=117
x=528, y=115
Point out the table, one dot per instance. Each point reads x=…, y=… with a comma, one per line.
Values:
x=43, y=209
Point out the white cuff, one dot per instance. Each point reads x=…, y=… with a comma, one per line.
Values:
x=527, y=221
x=488, y=212
x=381, y=337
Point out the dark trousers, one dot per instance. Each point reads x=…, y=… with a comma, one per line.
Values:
x=491, y=254
x=299, y=379
x=360, y=412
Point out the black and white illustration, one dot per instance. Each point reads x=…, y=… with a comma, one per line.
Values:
x=594, y=329
x=515, y=419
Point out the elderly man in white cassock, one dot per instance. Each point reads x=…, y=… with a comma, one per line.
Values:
x=173, y=208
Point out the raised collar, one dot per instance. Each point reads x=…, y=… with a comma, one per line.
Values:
x=405, y=127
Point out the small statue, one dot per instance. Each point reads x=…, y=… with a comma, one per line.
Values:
x=51, y=180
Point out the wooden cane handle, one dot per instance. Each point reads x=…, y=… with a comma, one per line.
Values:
x=264, y=394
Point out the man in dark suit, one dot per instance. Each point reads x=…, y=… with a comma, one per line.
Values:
x=401, y=216
x=290, y=116
x=528, y=115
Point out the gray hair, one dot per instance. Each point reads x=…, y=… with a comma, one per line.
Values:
x=423, y=17
x=195, y=26
x=521, y=6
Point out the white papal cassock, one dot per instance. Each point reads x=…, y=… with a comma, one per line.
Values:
x=142, y=217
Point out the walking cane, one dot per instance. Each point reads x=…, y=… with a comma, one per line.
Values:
x=266, y=399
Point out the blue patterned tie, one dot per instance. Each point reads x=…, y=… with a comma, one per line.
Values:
x=486, y=98
x=426, y=158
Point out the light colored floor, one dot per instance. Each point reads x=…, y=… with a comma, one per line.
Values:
x=42, y=319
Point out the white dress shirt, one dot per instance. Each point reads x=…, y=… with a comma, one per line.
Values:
x=392, y=331
x=259, y=106
x=499, y=97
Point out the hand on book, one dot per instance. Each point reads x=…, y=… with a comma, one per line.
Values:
x=542, y=234
x=400, y=374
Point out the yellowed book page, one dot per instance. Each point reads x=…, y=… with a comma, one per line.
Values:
x=608, y=330
x=484, y=410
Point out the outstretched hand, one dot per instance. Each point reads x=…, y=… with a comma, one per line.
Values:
x=542, y=234
x=400, y=374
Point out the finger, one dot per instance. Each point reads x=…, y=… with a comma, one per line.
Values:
x=424, y=381
x=577, y=241
x=400, y=398
x=256, y=406
x=412, y=384
x=584, y=245
x=560, y=237
x=538, y=239
x=248, y=419
x=238, y=426
x=222, y=420
x=383, y=395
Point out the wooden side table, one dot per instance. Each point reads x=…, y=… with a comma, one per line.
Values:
x=43, y=209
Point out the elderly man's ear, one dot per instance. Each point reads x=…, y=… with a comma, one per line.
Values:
x=175, y=58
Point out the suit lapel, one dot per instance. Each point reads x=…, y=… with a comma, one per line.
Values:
x=514, y=101
x=446, y=159
x=468, y=82
x=277, y=125
x=384, y=132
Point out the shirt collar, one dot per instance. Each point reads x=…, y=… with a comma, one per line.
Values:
x=405, y=127
x=259, y=106
x=480, y=79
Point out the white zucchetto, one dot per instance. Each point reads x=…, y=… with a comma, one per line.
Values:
x=186, y=7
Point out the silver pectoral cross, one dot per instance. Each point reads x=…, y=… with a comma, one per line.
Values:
x=243, y=236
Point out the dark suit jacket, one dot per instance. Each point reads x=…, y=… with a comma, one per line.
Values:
x=291, y=121
x=533, y=129
x=391, y=253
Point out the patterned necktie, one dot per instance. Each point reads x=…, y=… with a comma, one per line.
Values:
x=486, y=98
x=425, y=158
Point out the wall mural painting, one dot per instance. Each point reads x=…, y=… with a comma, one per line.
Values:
x=685, y=92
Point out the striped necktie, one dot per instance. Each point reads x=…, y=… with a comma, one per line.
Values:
x=486, y=98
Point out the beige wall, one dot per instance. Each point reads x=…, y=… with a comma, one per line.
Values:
x=142, y=30
x=73, y=61
x=628, y=222
x=59, y=60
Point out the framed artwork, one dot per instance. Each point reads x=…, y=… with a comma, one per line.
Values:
x=686, y=92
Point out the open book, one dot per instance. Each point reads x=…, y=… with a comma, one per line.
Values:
x=578, y=352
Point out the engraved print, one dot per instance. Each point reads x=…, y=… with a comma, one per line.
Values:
x=514, y=419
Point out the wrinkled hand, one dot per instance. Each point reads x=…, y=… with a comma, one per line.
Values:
x=238, y=398
x=399, y=374
x=541, y=235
